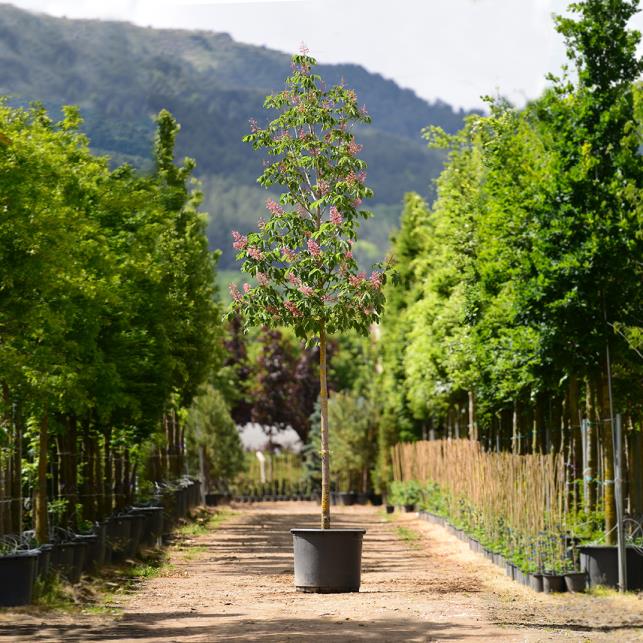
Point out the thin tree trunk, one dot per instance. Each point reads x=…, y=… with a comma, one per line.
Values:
x=609, y=499
x=592, y=443
x=42, y=528
x=576, y=446
x=325, y=455
x=108, y=498
x=473, y=428
x=17, y=469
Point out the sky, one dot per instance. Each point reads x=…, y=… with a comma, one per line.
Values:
x=452, y=50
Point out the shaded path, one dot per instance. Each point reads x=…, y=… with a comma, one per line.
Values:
x=236, y=585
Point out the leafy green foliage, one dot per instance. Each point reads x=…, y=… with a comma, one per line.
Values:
x=301, y=257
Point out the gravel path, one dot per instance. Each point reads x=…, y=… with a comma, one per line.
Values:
x=419, y=583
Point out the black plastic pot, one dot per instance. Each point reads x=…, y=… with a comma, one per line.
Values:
x=153, y=526
x=601, y=564
x=80, y=551
x=181, y=496
x=390, y=509
x=576, y=581
x=17, y=571
x=328, y=561
x=137, y=527
x=118, y=536
x=362, y=498
x=376, y=499
x=62, y=559
x=346, y=498
x=93, y=553
x=409, y=508
x=553, y=583
x=213, y=499
x=536, y=582
x=44, y=561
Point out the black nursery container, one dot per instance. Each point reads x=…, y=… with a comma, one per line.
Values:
x=118, y=535
x=328, y=561
x=94, y=557
x=62, y=559
x=44, y=561
x=600, y=562
x=153, y=530
x=17, y=573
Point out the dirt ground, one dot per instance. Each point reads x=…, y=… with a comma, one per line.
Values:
x=419, y=583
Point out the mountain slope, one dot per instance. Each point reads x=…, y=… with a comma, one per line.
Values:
x=121, y=75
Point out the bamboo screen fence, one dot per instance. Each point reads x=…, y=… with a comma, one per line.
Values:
x=525, y=493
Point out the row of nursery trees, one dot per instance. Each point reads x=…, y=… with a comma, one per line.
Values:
x=109, y=322
x=520, y=313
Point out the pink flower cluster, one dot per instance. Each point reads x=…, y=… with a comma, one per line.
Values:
x=246, y=288
x=292, y=308
x=353, y=178
x=323, y=186
x=357, y=202
x=356, y=280
x=274, y=208
x=240, y=241
x=352, y=96
x=255, y=253
x=234, y=292
x=253, y=125
x=302, y=287
x=376, y=280
x=263, y=278
x=335, y=216
x=313, y=248
x=291, y=255
x=354, y=147
x=349, y=253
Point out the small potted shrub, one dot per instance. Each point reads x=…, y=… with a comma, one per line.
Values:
x=304, y=273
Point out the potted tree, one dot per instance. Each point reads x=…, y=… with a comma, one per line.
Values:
x=301, y=260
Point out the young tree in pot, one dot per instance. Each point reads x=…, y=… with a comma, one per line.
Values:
x=301, y=257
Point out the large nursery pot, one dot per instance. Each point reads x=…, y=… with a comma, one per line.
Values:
x=153, y=530
x=328, y=561
x=79, y=549
x=601, y=564
x=94, y=552
x=137, y=527
x=44, y=561
x=62, y=559
x=118, y=535
x=576, y=581
x=17, y=571
x=346, y=498
x=553, y=583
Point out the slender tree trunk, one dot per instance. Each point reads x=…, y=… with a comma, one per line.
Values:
x=17, y=468
x=107, y=472
x=325, y=455
x=591, y=444
x=608, y=464
x=42, y=528
x=473, y=427
x=576, y=445
x=537, y=442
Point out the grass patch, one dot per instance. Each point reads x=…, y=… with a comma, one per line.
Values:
x=204, y=522
x=409, y=536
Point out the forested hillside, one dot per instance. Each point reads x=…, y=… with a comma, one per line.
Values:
x=121, y=75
